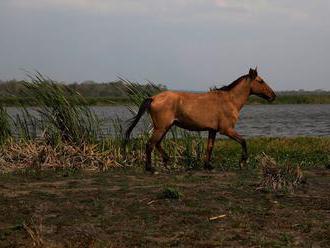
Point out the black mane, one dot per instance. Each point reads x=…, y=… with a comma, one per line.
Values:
x=232, y=85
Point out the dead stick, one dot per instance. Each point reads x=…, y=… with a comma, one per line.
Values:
x=217, y=217
x=151, y=202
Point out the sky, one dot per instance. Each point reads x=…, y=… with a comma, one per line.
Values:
x=184, y=44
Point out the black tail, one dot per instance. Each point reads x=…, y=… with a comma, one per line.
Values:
x=143, y=107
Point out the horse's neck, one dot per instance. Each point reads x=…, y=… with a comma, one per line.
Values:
x=240, y=94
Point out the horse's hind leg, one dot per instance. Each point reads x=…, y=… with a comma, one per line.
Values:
x=210, y=144
x=163, y=154
x=156, y=137
x=231, y=133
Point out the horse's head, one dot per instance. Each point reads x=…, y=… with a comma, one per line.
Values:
x=259, y=86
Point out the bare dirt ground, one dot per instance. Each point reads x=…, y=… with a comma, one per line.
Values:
x=124, y=208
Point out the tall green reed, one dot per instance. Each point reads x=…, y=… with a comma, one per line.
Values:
x=5, y=130
x=64, y=113
x=26, y=125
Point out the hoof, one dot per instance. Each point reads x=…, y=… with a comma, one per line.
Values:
x=166, y=160
x=242, y=164
x=208, y=166
x=152, y=170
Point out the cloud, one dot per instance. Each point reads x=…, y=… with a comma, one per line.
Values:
x=145, y=6
x=175, y=10
x=264, y=7
x=174, y=41
x=221, y=3
x=86, y=5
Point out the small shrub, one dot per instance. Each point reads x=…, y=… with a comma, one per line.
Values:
x=279, y=178
x=327, y=165
x=170, y=193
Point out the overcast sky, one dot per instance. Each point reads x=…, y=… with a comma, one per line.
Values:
x=184, y=44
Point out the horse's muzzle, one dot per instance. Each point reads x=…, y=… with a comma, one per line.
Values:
x=272, y=97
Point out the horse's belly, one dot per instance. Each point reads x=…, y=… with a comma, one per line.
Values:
x=194, y=125
x=197, y=114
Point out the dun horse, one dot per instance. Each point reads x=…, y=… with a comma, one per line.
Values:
x=214, y=111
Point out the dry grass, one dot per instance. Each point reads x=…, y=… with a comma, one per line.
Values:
x=38, y=155
x=279, y=178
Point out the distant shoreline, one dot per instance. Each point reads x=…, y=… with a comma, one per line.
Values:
x=13, y=101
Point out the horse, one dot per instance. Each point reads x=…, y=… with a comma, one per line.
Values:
x=214, y=111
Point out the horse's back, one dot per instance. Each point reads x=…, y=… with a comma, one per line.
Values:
x=177, y=99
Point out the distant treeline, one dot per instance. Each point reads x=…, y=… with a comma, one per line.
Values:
x=12, y=94
x=295, y=99
x=115, y=89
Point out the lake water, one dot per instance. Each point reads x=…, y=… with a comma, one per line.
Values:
x=255, y=120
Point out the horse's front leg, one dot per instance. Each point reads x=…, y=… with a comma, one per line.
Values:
x=231, y=133
x=210, y=144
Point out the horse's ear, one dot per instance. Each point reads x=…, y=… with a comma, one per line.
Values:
x=256, y=69
x=253, y=73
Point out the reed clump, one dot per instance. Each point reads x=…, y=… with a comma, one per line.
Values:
x=63, y=131
x=279, y=178
x=64, y=113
